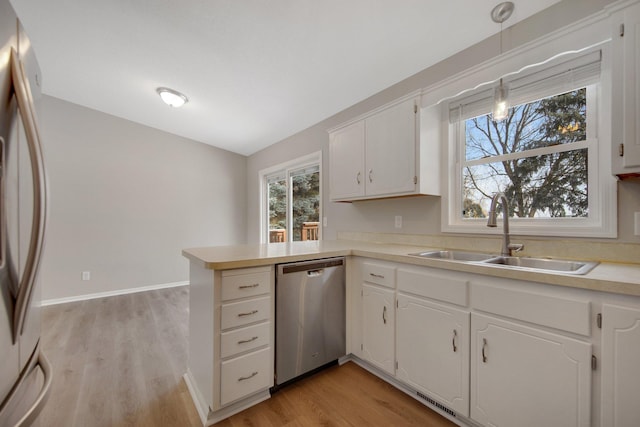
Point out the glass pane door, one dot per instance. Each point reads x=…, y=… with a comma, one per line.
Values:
x=277, y=192
x=305, y=203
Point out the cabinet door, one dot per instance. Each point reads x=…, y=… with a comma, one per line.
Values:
x=432, y=345
x=346, y=160
x=626, y=90
x=390, y=157
x=522, y=376
x=378, y=325
x=620, y=369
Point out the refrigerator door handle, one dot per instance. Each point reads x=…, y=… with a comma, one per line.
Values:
x=29, y=417
x=32, y=413
x=25, y=107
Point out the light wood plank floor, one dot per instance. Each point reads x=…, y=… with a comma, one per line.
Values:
x=119, y=362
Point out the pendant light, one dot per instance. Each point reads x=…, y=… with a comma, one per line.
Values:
x=500, y=110
x=171, y=97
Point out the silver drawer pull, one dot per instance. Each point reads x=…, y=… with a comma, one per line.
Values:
x=252, y=312
x=255, y=285
x=249, y=377
x=246, y=341
x=379, y=276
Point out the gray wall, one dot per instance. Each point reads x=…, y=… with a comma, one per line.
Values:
x=420, y=215
x=125, y=199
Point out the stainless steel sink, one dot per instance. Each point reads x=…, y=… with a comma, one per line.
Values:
x=454, y=255
x=542, y=264
x=519, y=263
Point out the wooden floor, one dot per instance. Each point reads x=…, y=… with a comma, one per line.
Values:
x=119, y=362
x=344, y=395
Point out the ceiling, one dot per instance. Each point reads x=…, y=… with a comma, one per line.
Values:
x=255, y=71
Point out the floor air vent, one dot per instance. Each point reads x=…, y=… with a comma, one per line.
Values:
x=436, y=404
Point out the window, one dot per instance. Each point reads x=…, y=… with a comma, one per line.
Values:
x=292, y=201
x=537, y=156
x=547, y=156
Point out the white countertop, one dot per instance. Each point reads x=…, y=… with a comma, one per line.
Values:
x=607, y=277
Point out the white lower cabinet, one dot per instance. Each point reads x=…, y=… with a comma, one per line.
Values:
x=620, y=366
x=378, y=327
x=432, y=350
x=523, y=376
x=245, y=358
x=245, y=375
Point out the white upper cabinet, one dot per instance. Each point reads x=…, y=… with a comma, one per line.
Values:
x=390, y=155
x=620, y=372
x=379, y=155
x=346, y=158
x=626, y=92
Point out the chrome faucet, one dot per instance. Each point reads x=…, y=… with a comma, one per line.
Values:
x=507, y=247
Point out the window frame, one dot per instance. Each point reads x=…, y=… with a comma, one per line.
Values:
x=286, y=168
x=569, y=43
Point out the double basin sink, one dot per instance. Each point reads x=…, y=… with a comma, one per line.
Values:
x=519, y=263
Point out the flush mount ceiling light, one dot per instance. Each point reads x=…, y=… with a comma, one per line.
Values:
x=500, y=111
x=171, y=97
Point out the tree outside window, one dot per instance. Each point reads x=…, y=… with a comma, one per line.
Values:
x=537, y=156
x=303, y=208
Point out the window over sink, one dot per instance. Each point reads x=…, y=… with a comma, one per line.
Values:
x=549, y=155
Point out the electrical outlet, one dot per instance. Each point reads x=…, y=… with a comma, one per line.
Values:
x=324, y=221
x=86, y=275
x=398, y=221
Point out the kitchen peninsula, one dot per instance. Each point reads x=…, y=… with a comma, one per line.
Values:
x=573, y=319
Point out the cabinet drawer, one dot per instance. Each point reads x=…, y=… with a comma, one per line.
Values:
x=245, y=285
x=240, y=340
x=379, y=274
x=245, y=375
x=560, y=313
x=245, y=312
x=437, y=286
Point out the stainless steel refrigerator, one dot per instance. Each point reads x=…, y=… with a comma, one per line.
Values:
x=25, y=374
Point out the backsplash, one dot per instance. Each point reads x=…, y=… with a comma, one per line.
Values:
x=586, y=250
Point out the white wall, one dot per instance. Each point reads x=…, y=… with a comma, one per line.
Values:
x=420, y=215
x=125, y=199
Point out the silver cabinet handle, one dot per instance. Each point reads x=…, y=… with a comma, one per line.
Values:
x=453, y=341
x=25, y=105
x=370, y=175
x=255, y=285
x=379, y=276
x=384, y=315
x=358, y=177
x=484, y=346
x=252, y=312
x=246, y=341
x=248, y=377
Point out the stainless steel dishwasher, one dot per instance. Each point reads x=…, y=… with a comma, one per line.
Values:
x=310, y=316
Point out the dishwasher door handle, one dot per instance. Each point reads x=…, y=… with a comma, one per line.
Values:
x=315, y=273
x=309, y=266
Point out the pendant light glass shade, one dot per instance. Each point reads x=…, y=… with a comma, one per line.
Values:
x=500, y=103
x=172, y=97
x=499, y=14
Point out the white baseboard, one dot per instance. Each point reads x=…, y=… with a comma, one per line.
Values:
x=111, y=293
x=196, y=396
